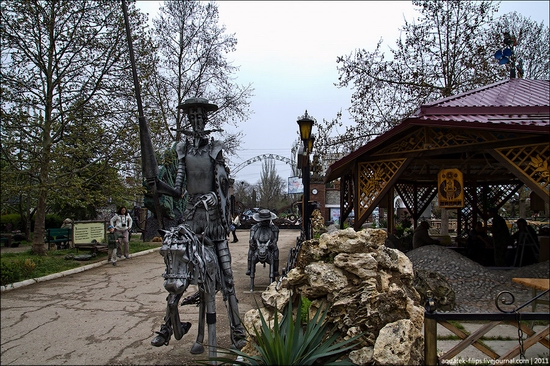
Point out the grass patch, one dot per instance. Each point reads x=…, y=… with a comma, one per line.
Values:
x=25, y=265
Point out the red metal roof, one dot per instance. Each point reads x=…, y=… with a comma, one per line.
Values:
x=507, y=93
x=519, y=105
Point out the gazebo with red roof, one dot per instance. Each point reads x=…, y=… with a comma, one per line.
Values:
x=497, y=137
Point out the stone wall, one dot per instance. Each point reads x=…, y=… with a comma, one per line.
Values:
x=369, y=289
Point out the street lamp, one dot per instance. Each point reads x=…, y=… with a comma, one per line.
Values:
x=305, y=124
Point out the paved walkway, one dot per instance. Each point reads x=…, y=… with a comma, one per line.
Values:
x=108, y=315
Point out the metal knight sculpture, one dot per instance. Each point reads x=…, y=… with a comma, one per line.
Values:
x=263, y=246
x=192, y=249
x=202, y=178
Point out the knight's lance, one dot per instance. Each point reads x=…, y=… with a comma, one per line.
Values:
x=148, y=160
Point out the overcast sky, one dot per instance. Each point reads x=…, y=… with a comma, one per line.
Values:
x=288, y=51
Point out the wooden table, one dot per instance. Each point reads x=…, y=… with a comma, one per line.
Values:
x=536, y=284
x=542, y=284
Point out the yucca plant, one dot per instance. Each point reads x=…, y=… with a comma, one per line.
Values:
x=290, y=343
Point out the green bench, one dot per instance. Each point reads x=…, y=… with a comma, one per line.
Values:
x=61, y=237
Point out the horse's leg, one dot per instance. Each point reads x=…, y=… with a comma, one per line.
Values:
x=271, y=271
x=252, y=274
x=163, y=336
x=211, y=321
x=179, y=328
x=238, y=333
x=198, y=347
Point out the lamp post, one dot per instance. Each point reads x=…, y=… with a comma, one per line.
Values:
x=305, y=124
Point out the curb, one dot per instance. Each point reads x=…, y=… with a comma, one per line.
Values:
x=16, y=285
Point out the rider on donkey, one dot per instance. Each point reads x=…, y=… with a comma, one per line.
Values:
x=264, y=231
x=203, y=177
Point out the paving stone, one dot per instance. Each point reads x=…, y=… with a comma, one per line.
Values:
x=476, y=287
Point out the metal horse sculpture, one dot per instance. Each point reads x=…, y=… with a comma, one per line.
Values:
x=263, y=246
x=263, y=254
x=191, y=259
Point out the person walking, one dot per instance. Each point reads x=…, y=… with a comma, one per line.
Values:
x=112, y=243
x=234, y=225
x=122, y=222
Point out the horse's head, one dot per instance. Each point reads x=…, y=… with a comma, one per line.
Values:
x=176, y=250
x=263, y=250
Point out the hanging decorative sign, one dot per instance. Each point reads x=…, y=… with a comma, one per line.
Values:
x=450, y=188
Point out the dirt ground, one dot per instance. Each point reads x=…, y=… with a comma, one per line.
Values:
x=108, y=315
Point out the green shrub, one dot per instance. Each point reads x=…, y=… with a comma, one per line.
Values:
x=17, y=222
x=13, y=219
x=290, y=343
x=27, y=267
x=304, y=311
x=16, y=270
x=10, y=272
x=53, y=221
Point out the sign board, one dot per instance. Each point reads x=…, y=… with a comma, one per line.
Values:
x=450, y=188
x=295, y=185
x=335, y=216
x=85, y=232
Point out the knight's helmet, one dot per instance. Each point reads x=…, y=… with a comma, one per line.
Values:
x=198, y=121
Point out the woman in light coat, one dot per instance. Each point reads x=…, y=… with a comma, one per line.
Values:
x=122, y=222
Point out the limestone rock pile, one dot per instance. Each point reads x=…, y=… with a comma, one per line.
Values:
x=318, y=222
x=369, y=289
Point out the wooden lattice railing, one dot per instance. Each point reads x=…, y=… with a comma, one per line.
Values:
x=488, y=321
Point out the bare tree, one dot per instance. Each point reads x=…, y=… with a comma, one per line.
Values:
x=243, y=194
x=192, y=62
x=270, y=186
x=530, y=42
x=65, y=101
x=442, y=53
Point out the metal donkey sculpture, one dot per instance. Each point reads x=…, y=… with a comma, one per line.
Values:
x=263, y=246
